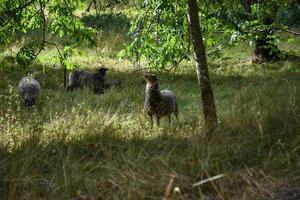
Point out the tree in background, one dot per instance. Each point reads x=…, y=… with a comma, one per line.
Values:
x=263, y=13
x=255, y=20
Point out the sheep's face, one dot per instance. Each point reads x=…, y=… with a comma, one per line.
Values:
x=102, y=71
x=29, y=102
x=151, y=78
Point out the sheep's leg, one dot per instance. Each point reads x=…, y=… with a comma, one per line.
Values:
x=176, y=112
x=151, y=121
x=169, y=117
x=96, y=91
x=69, y=88
x=157, y=119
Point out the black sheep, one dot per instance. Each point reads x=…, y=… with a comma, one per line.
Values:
x=93, y=80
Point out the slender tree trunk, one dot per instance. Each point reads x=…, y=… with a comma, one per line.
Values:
x=65, y=76
x=208, y=103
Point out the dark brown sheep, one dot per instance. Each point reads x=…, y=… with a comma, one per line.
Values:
x=93, y=80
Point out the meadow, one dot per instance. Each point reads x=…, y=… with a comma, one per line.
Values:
x=84, y=146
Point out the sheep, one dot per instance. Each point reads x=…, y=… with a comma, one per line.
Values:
x=159, y=103
x=94, y=80
x=112, y=83
x=29, y=90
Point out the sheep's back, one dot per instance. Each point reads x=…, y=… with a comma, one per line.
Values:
x=81, y=78
x=74, y=78
x=86, y=78
x=29, y=88
x=168, y=102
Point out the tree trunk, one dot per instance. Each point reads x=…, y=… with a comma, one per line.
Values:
x=65, y=76
x=208, y=103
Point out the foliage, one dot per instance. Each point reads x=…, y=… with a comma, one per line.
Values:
x=160, y=31
x=54, y=19
x=289, y=16
x=263, y=9
x=27, y=53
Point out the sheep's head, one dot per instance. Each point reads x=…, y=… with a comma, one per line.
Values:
x=151, y=78
x=102, y=71
x=29, y=97
x=29, y=102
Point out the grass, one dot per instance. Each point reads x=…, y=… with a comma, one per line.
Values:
x=84, y=146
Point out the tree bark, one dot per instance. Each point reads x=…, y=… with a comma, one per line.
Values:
x=65, y=76
x=207, y=97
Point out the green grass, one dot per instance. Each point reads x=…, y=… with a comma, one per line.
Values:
x=83, y=146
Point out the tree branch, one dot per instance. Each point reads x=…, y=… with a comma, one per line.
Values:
x=290, y=31
x=9, y=15
x=61, y=57
x=42, y=10
x=90, y=4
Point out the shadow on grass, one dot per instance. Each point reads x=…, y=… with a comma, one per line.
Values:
x=107, y=22
x=105, y=163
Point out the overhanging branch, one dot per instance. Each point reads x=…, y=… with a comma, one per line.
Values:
x=7, y=16
x=290, y=31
